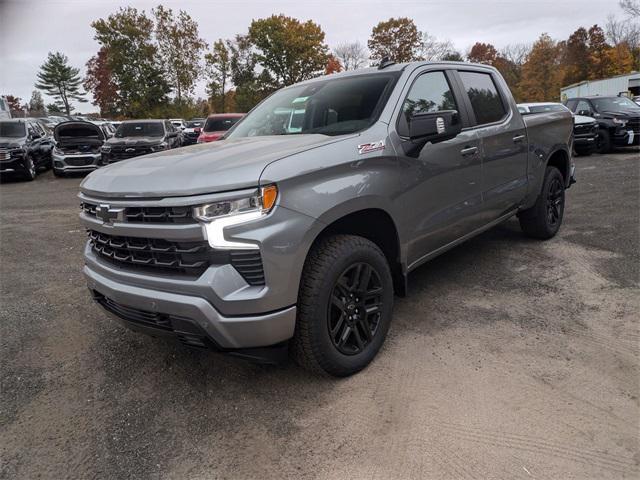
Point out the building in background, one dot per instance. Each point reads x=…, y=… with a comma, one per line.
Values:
x=4, y=109
x=627, y=85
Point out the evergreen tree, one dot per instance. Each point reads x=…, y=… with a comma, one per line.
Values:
x=61, y=81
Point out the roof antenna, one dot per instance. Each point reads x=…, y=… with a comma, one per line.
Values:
x=385, y=62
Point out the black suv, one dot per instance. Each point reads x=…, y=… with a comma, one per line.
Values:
x=618, y=119
x=25, y=148
x=140, y=137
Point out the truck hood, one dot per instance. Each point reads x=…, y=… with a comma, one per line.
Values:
x=133, y=141
x=12, y=142
x=205, y=168
x=582, y=119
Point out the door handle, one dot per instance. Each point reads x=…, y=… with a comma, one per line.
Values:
x=468, y=151
x=518, y=138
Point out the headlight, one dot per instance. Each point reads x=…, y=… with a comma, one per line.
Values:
x=105, y=148
x=160, y=146
x=226, y=213
x=16, y=152
x=57, y=151
x=620, y=121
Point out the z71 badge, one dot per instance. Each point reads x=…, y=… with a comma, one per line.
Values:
x=370, y=147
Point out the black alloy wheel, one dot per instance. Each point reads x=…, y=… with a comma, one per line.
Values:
x=355, y=308
x=555, y=201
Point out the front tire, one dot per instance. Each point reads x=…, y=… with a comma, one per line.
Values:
x=30, y=173
x=604, y=142
x=543, y=220
x=345, y=305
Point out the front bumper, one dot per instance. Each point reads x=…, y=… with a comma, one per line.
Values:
x=13, y=165
x=77, y=162
x=585, y=142
x=626, y=137
x=189, y=315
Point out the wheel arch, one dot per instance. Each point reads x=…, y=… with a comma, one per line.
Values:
x=377, y=225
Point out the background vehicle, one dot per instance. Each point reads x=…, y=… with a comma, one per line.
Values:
x=618, y=119
x=192, y=131
x=78, y=145
x=179, y=123
x=217, y=125
x=24, y=148
x=585, y=129
x=271, y=236
x=139, y=137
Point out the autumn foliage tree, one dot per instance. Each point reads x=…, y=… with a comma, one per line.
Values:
x=483, y=53
x=333, y=66
x=290, y=50
x=397, y=39
x=541, y=74
x=100, y=82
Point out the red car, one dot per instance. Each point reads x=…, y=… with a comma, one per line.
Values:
x=217, y=125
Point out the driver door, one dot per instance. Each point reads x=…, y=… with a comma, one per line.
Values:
x=443, y=193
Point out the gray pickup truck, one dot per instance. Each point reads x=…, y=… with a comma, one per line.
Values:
x=293, y=233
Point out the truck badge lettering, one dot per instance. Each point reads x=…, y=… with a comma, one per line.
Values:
x=370, y=147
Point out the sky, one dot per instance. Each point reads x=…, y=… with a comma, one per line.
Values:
x=31, y=28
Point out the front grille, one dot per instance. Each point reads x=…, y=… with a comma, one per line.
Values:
x=4, y=154
x=148, y=214
x=189, y=258
x=585, y=129
x=122, y=153
x=249, y=265
x=181, y=258
x=634, y=124
x=185, y=329
x=79, y=161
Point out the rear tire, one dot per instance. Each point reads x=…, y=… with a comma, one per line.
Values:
x=604, y=141
x=345, y=305
x=543, y=220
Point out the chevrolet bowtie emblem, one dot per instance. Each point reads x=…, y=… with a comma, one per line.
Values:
x=108, y=214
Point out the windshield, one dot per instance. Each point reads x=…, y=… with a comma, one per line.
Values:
x=197, y=124
x=140, y=129
x=12, y=129
x=220, y=124
x=614, y=104
x=331, y=107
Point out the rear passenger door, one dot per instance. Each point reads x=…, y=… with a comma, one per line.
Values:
x=503, y=141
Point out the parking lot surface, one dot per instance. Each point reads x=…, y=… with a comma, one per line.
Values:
x=510, y=358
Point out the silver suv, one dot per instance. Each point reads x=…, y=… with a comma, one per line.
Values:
x=296, y=234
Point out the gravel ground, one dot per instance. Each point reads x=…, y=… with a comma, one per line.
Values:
x=510, y=358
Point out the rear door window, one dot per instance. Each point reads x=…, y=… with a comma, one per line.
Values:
x=430, y=93
x=485, y=99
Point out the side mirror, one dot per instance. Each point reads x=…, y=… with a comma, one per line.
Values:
x=435, y=126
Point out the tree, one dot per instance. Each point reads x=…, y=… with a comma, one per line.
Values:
x=218, y=68
x=509, y=62
x=133, y=60
x=576, y=57
x=179, y=46
x=541, y=76
x=290, y=50
x=453, y=56
x=100, y=82
x=630, y=7
x=36, y=104
x=53, y=108
x=249, y=90
x=333, y=66
x=60, y=80
x=621, y=59
x=15, y=103
x=351, y=55
x=599, y=57
x=482, y=53
x=397, y=39
x=434, y=50
x=625, y=32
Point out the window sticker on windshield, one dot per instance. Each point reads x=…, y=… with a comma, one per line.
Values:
x=300, y=100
